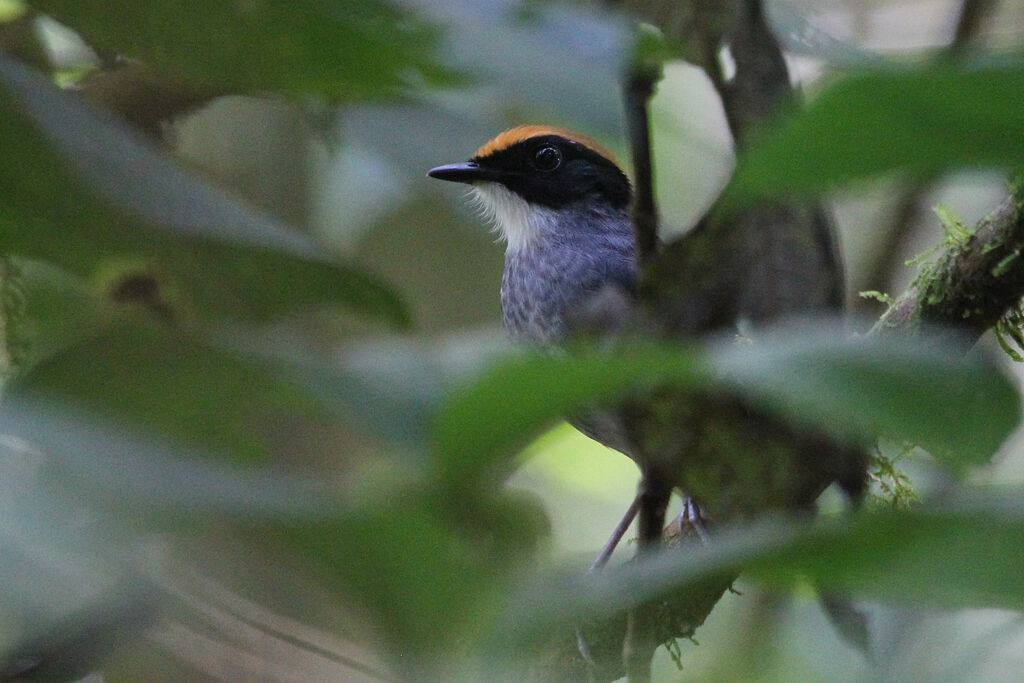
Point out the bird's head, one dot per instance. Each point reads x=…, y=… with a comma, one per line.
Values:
x=534, y=179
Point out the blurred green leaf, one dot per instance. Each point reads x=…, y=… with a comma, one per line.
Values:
x=169, y=384
x=104, y=461
x=963, y=552
x=482, y=423
x=917, y=390
x=919, y=120
x=44, y=310
x=961, y=410
x=86, y=193
x=427, y=572
x=392, y=385
x=336, y=48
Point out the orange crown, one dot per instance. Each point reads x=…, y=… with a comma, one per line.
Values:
x=521, y=133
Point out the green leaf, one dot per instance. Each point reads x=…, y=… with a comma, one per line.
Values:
x=107, y=462
x=485, y=421
x=960, y=409
x=44, y=310
x=962, y=553
x=426, y=586
x=959, y=553
x=336, y=48
x=391, y=385
x=168, y=384
x=919, y=120
x=917, y=390
x=85, y=192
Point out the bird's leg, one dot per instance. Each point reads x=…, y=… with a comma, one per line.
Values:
x=652, y=503
x=641, y=640
x=600, y=561
x=606, y=552
x=692, y=516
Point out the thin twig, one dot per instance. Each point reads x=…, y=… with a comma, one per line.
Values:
x=639, y=88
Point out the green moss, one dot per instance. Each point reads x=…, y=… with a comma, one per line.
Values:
x=1004, y=264
x=930, y=286
x=891, y=488
x=877, y=296
x=16, y=343
x=955, y=230
x=1009, y=333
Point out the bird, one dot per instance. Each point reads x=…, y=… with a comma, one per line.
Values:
x=561, y=203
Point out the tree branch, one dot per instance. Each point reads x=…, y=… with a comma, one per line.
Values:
x=639, y=88
x=968, y=24
x=973, y=284
x=756, y=90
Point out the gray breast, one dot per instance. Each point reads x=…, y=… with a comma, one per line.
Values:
x=552, y=277
x=543, y=291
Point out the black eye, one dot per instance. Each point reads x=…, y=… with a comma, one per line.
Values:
x=547, y=158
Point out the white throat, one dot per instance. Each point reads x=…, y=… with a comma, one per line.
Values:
x=517, y=221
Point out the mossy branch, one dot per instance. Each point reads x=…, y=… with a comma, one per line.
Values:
x=977, y=281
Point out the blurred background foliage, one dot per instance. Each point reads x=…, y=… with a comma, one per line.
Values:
x=259, y=420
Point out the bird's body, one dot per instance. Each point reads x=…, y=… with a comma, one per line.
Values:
x=562, y=267
x=562, y=206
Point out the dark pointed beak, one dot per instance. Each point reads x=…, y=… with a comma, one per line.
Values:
x=466, y=172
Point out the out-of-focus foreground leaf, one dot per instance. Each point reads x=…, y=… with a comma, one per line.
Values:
x=920, y=120
x=960, y=408
x=205, y=397
x=44, y=311
x=228, y=393
x=63, y=343
x=917, y=390
x=145, y=471
x=390, y=556
x=429, y=571
x=548, y=59
x=85, y=192
x=963, y=552
x=391, y=386
x=346, y=48
x=482, y=422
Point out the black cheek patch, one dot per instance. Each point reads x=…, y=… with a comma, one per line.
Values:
x=582, y=174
